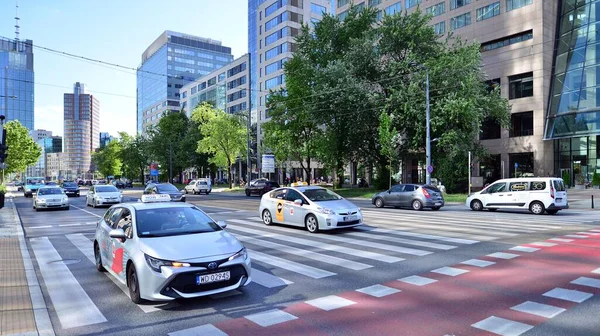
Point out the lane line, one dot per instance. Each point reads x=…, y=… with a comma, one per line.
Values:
x=268, y=280
x=538, y=309
x=478, y=262
x=450, y=271
x=418, y=235
x=289, y=265
x=73, y=306
x=204, y=330
x=417, y=280
x=330, y=302
x=568, y=295
x=86, y=211
x=378, y=290
x=403, y=241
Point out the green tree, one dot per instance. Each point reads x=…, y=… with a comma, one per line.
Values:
x=108, y=159
x=134, y=155
x=167, y=145
x=224, y=136
x=22, y=150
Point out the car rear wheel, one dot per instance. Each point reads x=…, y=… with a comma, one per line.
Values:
x=312, y=225
x=537, y=208
x=185, y=191
x=379, y=202
x=552, y=212
x=94, y=204
x=98, y=258
x=476, y=205
x=267, y=218
x=247, y=192
x=134, y=285
x=417, y=205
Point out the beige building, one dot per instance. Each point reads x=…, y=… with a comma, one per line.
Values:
x=55, y=166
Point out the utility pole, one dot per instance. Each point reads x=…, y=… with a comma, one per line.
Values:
x=170, y=163
x=469, y=172
x=428, y=140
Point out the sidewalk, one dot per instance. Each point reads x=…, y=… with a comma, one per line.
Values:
x=22, y=307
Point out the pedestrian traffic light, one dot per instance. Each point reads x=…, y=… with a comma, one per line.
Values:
x=3, y=153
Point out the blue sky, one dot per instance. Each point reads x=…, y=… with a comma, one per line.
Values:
x=116, y=31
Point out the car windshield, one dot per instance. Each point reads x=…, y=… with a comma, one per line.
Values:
x=50, y=191
x=106, y=189
x=166, y=188
x=35, y=181
x=320, y=195
x=69, y=185
x=173, y=221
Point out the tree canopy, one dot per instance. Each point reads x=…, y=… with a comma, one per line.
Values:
x=22, y=150
x=108, y=159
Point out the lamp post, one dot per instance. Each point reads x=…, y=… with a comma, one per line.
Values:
x=428, y=167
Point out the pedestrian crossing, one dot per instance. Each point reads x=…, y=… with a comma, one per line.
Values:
x=285, y=257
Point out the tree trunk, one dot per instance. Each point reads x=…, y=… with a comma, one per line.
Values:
x=230, y=177
x=308, y=171
x=339, y=167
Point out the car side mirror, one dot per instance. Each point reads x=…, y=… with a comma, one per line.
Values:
x=222, y=224
x=118, y=234
x=298, y=202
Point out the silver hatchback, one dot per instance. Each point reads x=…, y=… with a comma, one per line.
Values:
x=410, y=195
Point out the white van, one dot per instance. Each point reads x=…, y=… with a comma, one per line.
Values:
x=536, y=194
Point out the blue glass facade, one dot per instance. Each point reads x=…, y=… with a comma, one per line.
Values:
x=52, y=144
x=17, y=81
x=172, y=61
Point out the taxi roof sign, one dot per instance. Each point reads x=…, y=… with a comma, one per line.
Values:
x=155, y=198
x=299, y=184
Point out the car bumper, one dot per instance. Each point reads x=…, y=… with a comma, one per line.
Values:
x=331, y=222
x=51, y=205
x=433, y=203
x=175, y=283
x=107, y=202
x=553, y=206
x=72, y=192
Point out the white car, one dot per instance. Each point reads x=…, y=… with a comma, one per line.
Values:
x=50, y=197
x=99, y=195
x=165, y=251
x=315, y=208
x=198, y=187
x=539, y=195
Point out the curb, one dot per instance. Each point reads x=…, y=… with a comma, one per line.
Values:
x=40, y=310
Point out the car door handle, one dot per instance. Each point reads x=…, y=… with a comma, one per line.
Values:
x=509, y=195
x=500, y=195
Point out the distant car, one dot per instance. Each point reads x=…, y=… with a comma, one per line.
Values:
x=414, y=196
x=32, y=184
x=198, y=187
x=50, y=197
x=103, y=182
x=260, y=187
x=119, y=184
x=71, y=188
x=128, y=184
x=103, y=195
x=165, y=188
x=51, y=183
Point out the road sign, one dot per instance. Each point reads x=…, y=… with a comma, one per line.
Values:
x=516, y=165
x=430, y=169
x=268, y=163
x=154, y=169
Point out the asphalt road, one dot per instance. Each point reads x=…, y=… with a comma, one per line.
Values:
x=307, y=284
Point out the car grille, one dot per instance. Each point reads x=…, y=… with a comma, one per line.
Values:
x=348, y=213
x=186, y=282
x=354, y=222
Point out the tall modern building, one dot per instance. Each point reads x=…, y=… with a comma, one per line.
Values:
x=171, y=61
x=16, y=81
x=82, y=130
x=53, y=144
x=39, y=134
x=105, y=139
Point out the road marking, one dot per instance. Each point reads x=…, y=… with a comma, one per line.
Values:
x=451, y=271
x=378, y=290
x=597, y=271
x=403, y=241
x=568, y=295
x=268, y=280
x=538, y=309
x=585, y=281
x=270, y=317
x=478, y=262
x=330, y=302
x=524, y=248
x=503, y=255
x=562, y=240
x=417, y=280
x=76, y=224
x=353, y=265
x=204, y=330
x=502, y=326
x=86, y=211
x=289, y=265
x=73, y=306
x=545, y=244
x=419, y=235
x=313, y=243
x=589, y=233
x=85, y=246
x=576, y=236
x=40, y=227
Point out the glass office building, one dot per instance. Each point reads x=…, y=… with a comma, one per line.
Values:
x=16, y=81
x=53, y=144
x=170, y=62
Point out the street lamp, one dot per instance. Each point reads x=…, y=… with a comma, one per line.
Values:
x=428, y=168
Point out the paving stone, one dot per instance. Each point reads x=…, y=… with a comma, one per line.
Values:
x=14, y=298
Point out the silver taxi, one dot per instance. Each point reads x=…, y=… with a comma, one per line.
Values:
x=313, y=207
x=164, y=251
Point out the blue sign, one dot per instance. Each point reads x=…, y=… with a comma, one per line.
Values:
x=516, y=165
x=153, y=172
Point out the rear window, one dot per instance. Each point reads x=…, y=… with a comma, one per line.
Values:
x=538, y=185
x=431, y=188
x=559, y=185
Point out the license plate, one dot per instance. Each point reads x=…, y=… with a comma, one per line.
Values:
x=215, y=277
x=350, y=218
x=559, y=200
x=438, y=203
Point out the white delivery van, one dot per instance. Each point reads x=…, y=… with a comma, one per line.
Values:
x=537, y=194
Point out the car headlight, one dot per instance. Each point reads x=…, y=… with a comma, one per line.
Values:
x=27, y=189
x=65, y=199
x=99, y=198
x=241, y=254
x=326, y=211
x=41, y=200
x=156, y=264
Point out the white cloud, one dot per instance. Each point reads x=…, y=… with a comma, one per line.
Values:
x=50, y=118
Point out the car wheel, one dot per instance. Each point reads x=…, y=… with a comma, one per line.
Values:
x=436, y=208
x=247, y=192
x=94, y=204
x=312, y=225
x=476, y=205
x=134, y=285
x=537, y=208
x=379, y=202
x=267, y=218
x=551, y=212
x=68, y=207
x=208, y=192
x=185, y=191
x=98, y=258
x=492, y=209
x=417, y=205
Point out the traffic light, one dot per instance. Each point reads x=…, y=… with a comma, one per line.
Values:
x=3, y=147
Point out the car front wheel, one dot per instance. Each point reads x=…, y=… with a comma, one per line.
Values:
x=267, y=218
x=476, y=205
x=98, y=258
x=134, y=285
x=379, y=202
x=312, y=225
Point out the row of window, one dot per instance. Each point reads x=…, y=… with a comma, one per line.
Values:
x=236, y=95
x=285, y=16
x=237, y=108
x=274, y=82
x=280, y=49
x=521, y=124
x=236, y=69
x=236, y=82
x=506, y=41
x=269, y=69
x=317, y=9
x=285, y=31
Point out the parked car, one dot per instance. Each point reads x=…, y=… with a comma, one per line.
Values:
x=128, y=184
x=70, y=188
x=260, y=187
x=415, y=196
x=539, y=195
x=165, y=188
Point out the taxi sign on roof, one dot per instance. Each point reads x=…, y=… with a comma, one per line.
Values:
x=154, y=198
x=299, y=184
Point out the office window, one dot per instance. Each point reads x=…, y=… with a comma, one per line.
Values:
x=275, y=81
x=515, y=4
x=520, y=164
x=437, y=9
x=202, y=86
x=521, y=124
x=343, y=15
x=269, y=69
x=317, y=9
x=221, y=77
x=460, y=21
x=505, y=41
x=412, y=3
x=280, y=49
x=490, y=129
x=212, y=81
x=454, y=4
x=193, y=90
x=274, y=7
x=342, y=3
x=440, y=28
x=393, y=9
x=488, y=11
x=373, y=3
x=520, y=86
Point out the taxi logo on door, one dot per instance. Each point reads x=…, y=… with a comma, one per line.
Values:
x=279, y=213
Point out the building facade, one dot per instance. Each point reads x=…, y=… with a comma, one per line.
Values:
x=171, y=61
x=39, y=134
x=81, y=131
x=53, y=144
x=16, y=81
x=105, y=139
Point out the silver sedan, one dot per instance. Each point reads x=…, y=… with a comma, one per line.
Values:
x=50, y=198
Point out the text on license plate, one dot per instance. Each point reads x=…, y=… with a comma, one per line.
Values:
x=350, y=218
x=559, y=200
x=438, y=203
x=215, y=277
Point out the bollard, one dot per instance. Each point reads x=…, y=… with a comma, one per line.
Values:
x=592, y=201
